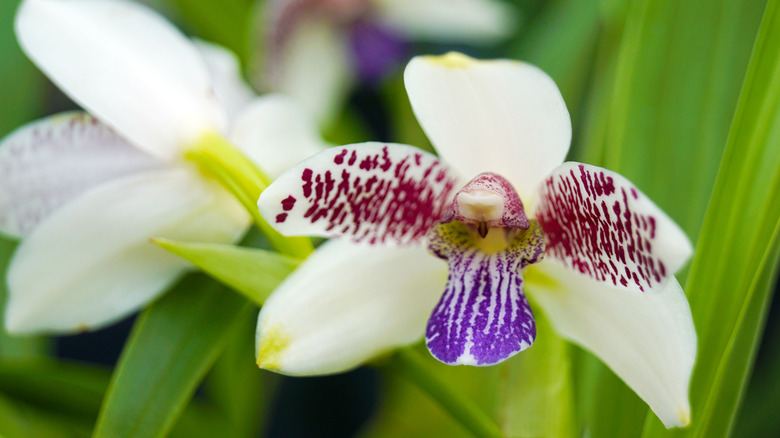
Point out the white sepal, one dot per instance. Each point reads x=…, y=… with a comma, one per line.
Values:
x=347, y=304
x=127, y=66
x=92, y=263
x=647, y=339
x=500, y=116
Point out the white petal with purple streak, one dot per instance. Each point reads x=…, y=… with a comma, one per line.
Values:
x=47, y=163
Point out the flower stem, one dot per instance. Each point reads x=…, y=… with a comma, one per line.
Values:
x=239, y=175
x=408, y=364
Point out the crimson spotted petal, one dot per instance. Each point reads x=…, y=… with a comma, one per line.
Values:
x=369, y=192
x=599, y=224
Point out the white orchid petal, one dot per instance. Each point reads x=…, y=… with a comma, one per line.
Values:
x=497, y=116
x=127, y=66
x=598, y=223
x=45, y=164
x=226, y=78
x=369, y=192
x=347, y=304
x=91, y=262
x=276, y=132
x=313, y=66
x=471, y=21
x=647, y=339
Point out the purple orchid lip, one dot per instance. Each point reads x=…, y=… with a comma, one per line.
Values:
x=483, y=317
x=376, y=49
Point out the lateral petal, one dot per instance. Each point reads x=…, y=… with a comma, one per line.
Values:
x=599, y=224
x=127, y=66
x=92, y=263
x=47, y=163
x=499, y=116
x=328, y=317
x=370, y=192
x=276, y=132
x=646, y=339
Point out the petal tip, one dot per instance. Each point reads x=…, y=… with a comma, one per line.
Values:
x=271, y=345
x=684, y=416
x=451, y=60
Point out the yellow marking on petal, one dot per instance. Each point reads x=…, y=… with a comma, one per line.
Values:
x=451, y=60
x=685, y=417
x=535, y=277
x=273, y=344
x=494, y=241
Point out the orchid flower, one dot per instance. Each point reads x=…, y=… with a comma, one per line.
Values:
x=85, y=192
x=315, y=49
x=591, y=250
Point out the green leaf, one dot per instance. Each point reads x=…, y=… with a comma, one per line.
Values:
x=21, y=84
x=662, y=122
x=737, y=256
x=561, y=41
x=680, y=67
x=225, y=22
x=69, y=388
x=173, y=344
x=18, y=420
x=536, y=388
x=15, y=347
x=235, y=384
x=253, y=272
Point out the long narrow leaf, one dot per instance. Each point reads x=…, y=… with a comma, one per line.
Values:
x=732, y=275
x=173, y=344
x=253, y=272
x=676, y=83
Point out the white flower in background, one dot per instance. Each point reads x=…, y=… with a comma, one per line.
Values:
x=315, y=50
x=606, y=281
x=85, y=192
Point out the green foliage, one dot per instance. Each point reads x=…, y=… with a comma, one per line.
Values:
x=22, y=90
x=536, y=388
x=736, y=265
x=659, y=115
x=172, y=346
x=253, y=272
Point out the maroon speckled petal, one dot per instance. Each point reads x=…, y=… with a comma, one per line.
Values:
x=598, y=223
x=370, y=192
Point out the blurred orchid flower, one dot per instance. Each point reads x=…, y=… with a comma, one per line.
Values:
x=315, y=49
x=86, y=192
x=606, y=283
